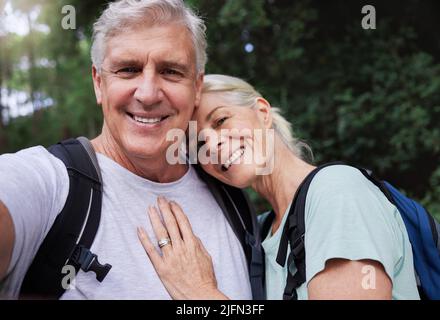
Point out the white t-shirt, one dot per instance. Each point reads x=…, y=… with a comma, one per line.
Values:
x=34, y=186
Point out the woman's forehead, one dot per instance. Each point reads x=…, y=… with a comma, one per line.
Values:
x=209, y=102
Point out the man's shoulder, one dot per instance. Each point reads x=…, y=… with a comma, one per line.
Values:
x=32, y=165
x=35, y=151
x=34, y=156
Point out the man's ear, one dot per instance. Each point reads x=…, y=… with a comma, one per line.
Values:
x=199, y=87
x=263, y=108
x=97, y=81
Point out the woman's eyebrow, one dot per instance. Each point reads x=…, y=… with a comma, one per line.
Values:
x=209, y=116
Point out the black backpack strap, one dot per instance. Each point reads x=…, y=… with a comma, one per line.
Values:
x=87, y=145
x=240, y=206
x=238, y=210
x=72, y=234
x=266, y=224
x=293, y=234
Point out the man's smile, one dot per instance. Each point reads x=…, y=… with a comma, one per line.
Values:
x=148, y=120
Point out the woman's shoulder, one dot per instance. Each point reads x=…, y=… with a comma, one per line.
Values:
x=339, y=178
x=345, y=187
x=338, y=172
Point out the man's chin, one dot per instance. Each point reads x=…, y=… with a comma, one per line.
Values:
x=145, y=153
x=145, y=148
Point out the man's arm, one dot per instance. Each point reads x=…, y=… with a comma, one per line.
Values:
x=7, y=237
x=351, y=280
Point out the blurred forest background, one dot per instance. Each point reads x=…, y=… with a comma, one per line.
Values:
x=370, y=97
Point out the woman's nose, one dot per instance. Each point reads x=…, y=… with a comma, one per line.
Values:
x=214, y=141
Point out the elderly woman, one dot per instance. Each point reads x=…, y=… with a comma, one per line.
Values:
x=356, y=242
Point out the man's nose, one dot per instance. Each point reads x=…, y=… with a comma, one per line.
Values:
x=149, y=89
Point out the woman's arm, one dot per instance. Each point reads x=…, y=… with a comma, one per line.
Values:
x=348, y=279
x=185, y=267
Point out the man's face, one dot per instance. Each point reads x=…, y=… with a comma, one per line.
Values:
x=148, y=85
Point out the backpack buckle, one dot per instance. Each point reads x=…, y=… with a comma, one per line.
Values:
x=290, y=296
x=88, y=261
x=298, y=247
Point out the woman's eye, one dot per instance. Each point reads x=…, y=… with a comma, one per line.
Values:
x=220, y=121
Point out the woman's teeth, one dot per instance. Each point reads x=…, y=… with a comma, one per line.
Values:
x=237, y=154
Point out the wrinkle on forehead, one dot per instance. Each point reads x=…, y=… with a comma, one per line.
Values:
x=165, y=41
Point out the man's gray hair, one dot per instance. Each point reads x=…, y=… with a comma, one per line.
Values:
x=125, y=14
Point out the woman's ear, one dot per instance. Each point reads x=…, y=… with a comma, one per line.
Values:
x=263, y=108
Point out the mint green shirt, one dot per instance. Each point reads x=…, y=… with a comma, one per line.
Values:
x=347, y=217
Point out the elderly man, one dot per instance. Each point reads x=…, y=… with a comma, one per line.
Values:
x=148, y=63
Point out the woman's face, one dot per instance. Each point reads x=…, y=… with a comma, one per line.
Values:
x=232, y=139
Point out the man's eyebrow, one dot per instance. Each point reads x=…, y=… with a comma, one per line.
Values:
x=208, y=117
x=174, y=65
x=118, y=62
x=123, y=62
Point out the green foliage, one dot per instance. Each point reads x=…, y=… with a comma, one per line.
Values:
x=370, y=97
x=67, y=80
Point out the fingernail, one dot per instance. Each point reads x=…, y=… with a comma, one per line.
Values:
x=140, y=232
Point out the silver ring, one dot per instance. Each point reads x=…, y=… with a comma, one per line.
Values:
x=163, y=242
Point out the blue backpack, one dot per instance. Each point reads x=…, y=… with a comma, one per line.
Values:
x=423, y=232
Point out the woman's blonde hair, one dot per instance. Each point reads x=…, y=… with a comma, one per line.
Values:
x=240, y=93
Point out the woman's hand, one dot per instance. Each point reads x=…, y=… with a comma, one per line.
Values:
x=185, y=267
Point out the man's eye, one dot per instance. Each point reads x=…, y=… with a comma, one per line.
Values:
x=128, y=70
x=171, y=72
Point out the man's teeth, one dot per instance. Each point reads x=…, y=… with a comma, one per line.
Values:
x=237, y=154
x=147, y=120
